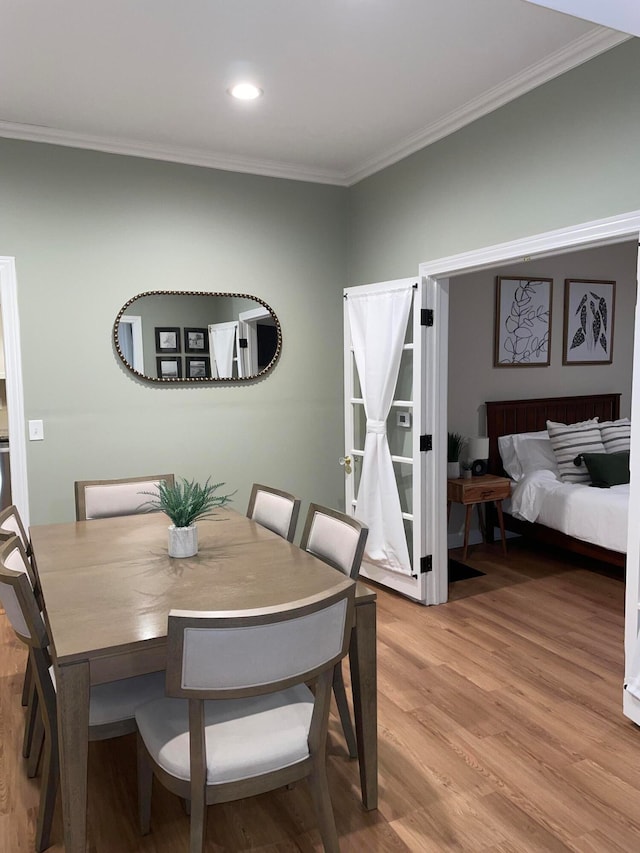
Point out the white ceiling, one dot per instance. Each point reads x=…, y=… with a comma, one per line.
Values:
x=350, y=86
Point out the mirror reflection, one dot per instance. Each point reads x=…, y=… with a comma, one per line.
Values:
x=189, y=336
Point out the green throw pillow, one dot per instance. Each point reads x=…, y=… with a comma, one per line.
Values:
x=607, y=469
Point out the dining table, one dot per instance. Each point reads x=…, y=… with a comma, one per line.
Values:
x=108, y=585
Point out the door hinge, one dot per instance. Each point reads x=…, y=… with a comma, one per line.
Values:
x=426, y=442
x=426, y=564
x=243, y=343
x=426, y=316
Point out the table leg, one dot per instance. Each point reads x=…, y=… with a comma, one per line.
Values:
x=482, y=522
x=362, y=658
x=467, y=525
x=72, y=688
x=501, y=523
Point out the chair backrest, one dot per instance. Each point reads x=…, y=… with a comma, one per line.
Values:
x=336, y=538
x=274, y=509
x=109, y=498
x=231, y=654
x=16, y=559
x=10, y=522
x=17, y=595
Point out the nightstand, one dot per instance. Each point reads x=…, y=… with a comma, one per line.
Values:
x=476, y=491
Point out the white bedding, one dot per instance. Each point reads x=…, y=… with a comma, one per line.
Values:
x=594, y=515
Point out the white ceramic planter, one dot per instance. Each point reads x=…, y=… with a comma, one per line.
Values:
x=183, y=541
x=453, y=470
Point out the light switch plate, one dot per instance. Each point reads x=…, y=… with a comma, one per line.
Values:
x=36, y=430
x=404, y=420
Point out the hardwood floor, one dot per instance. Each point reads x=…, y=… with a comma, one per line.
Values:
x=500, y=731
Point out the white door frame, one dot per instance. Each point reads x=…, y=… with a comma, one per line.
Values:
x=15, y=391
x=135, y=321
x=614, y=229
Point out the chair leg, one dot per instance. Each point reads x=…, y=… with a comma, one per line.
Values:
x=319, y=785
x=145, y=784
x=343, y=709
x=48, y=793
x=36, y=746
x=27, y=684
x=31, y=719
x=198, y=824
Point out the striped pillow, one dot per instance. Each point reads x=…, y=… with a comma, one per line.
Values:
x=616, y=435
x=569, y=441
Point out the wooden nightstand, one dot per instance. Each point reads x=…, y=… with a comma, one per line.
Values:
x=477, y=491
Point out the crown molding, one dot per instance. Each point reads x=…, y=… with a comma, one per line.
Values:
x=581, y=50
x=186, y=156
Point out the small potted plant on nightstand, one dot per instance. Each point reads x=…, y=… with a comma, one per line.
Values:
x=466, y=467
x=454, y=448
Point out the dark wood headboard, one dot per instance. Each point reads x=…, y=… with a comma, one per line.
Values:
x=506, y=417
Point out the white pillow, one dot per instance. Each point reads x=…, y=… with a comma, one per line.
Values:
x=536, y=454
x=509, y=455
x=616, y=435
x=569, y=441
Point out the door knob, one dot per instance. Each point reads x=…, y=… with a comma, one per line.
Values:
x=345, y=461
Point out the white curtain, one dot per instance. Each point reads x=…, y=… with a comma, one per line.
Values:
x=222, y=338
x=378, y=324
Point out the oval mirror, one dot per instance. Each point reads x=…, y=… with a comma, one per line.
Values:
x=190, y=336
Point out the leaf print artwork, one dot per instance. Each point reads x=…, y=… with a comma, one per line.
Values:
x=523, y=312
x=588, y=321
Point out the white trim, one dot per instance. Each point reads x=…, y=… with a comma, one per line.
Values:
x=15, y=391
x=169, y=154
x=581, y=50
x=135, y=321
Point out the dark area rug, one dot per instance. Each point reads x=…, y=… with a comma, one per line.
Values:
x=460, y=572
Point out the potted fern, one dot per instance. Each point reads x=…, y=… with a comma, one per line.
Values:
x=186, y=502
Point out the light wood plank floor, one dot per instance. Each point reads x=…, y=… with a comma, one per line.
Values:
x=500, y=729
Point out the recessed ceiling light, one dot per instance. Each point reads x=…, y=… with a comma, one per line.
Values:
x=245, y=91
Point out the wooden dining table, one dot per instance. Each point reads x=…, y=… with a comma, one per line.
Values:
x=108, y=586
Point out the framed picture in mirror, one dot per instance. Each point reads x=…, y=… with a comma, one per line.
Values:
x=167, y=339
x=198, y=367
x=168, y=367
x=196, y=340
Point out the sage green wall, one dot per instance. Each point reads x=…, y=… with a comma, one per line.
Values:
x=565, y=153
x=89, y=231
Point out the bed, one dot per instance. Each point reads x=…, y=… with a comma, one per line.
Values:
x=510, y=417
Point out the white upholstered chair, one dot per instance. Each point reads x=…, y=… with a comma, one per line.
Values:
x=10, y=522
x=15, y=559
x=274, y=509
x=112, y=706
x=337, y=539
x=239, y=718
x=109, y=498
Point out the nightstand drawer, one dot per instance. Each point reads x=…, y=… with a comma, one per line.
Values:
x=478, y=489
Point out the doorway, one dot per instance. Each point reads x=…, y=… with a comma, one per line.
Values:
x=586, y=235
x=14, y=387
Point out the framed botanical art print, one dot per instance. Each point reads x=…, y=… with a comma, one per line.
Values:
x=522, y=333
x=196, y=340
x=169, y=367
x=167, y=339
x=589, y=306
